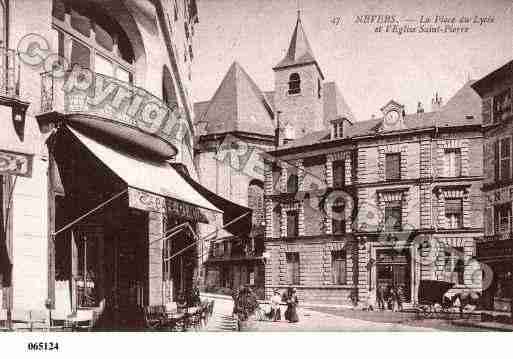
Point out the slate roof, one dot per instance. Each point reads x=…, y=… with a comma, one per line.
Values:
x=299, y=51
x=334, y=104
x=463, y=108
x=237, y=105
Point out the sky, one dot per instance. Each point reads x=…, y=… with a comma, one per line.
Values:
x=370, y=68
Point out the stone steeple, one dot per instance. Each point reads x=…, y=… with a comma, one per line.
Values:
x=299, y=52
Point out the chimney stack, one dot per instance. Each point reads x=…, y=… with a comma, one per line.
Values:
x=436, y=103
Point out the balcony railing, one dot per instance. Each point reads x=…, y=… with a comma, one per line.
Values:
x=9, y=73
x=97, y=96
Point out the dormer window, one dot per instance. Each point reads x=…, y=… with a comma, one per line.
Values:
x=294, y=84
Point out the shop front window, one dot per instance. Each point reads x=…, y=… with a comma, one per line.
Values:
x=87, y=272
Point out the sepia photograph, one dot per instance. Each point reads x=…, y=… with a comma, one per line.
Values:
x=208, y=166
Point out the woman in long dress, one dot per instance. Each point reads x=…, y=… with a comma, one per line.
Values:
x=292, y=302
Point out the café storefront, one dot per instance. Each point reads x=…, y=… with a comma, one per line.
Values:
x=114, y=213
x=498, y=290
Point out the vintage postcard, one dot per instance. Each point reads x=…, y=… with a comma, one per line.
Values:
x=255, y=166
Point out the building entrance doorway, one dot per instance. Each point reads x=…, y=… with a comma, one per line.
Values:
x=393, y=270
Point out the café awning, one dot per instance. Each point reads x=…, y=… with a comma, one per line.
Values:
x=144, y=175
x=231, y=210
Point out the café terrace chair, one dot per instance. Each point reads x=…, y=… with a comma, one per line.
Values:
x=155, y=317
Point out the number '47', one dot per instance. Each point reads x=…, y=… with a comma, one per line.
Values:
x=336, y=20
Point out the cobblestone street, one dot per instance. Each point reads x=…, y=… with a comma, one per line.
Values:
x=320, y=320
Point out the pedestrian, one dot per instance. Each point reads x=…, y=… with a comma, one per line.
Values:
x=400, y=294
x=380, y=296
x=393, y=299
x=195, y=297
x=275, y=306
x=235, y=297
x=292, y=302
x=181, y=302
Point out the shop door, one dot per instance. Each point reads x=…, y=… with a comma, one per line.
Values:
x=393, y=271
x=132, y=271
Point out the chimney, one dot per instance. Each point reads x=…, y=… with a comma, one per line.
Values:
x=288, y=134
x=339, y=127
x=420, y=108
x=436, y=103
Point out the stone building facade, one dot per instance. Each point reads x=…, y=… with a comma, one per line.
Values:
x=496, y=249
x=239, y=125
x=411, y=195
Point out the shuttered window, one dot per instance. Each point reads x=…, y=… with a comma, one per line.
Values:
x=338, y=267
x=393, y=166
x=505, y=159
x=452, y=162
x=502, y=159
x=292, y=224
x=496, y=160
x=293, y=267
x=393, y=216
x=502, y=217
x=487, y=111
x=501, y=106
x=454, y=212
x=338, y=174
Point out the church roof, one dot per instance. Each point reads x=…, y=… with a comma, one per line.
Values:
x=335, y=105
x=462, y=109
x=299, y=52
x=237, y=105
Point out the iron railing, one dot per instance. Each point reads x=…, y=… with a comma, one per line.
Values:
x=9, y=73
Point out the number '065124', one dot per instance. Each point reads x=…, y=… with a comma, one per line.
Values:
x=43, y=346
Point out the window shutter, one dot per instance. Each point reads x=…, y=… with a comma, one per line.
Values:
x=453, y=206
x=338, y=173
x=496, y=159
x=393, y=166
x=488, y=222
x=292, y=224
x=487, y=111
x=457, y=163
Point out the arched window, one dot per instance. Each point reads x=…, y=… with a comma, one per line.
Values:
x=256, y=201
x=292, y=184
x=294, y=83
x=93, y=39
